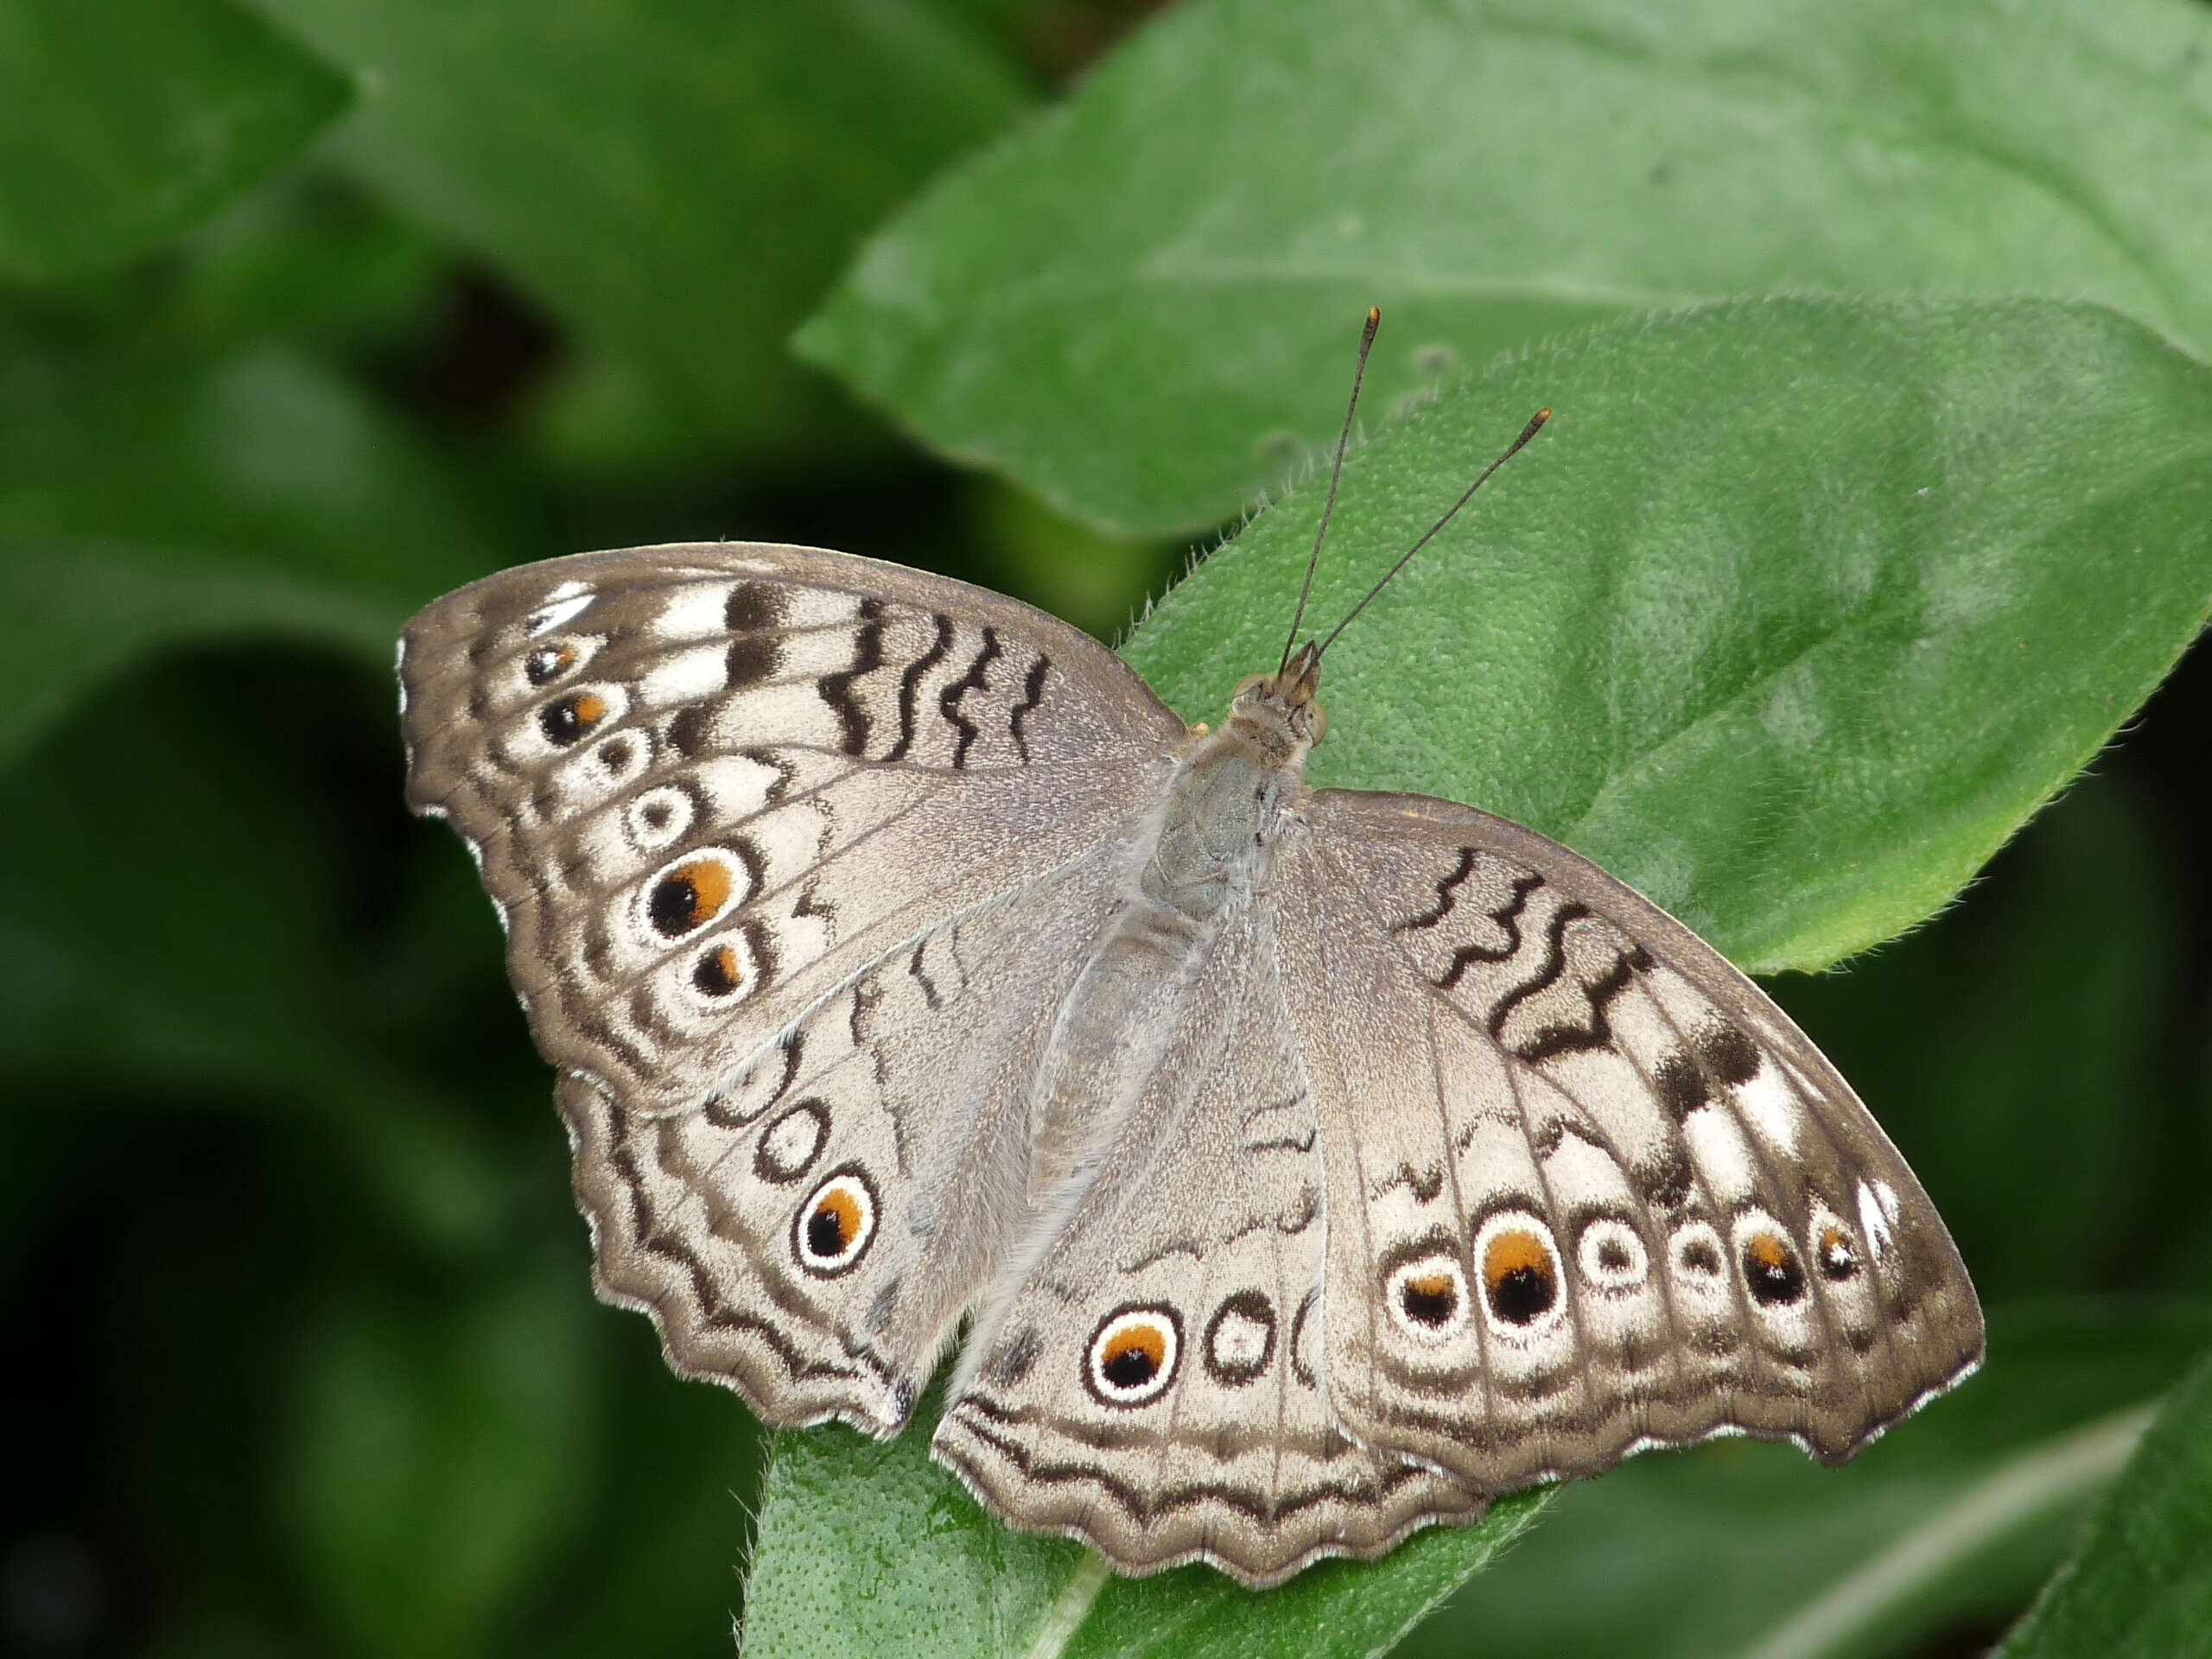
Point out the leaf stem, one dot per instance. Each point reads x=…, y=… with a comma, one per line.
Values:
x=2029, y=1486
x=1070, y=1608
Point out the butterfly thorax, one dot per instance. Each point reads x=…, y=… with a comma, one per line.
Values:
x=1233, y=793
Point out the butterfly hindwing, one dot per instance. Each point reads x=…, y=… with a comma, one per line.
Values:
x=1589, y=1189
x=1154, y=1381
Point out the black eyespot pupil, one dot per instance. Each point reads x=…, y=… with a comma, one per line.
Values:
x=825, y=1233
x=656, y=816
x=615, y=755
x=713, y=975
x=562, y=723
x=1129, y=1368
x=1613, y=1256
x=1773, y=1280
x=675, y=908
x=1428, y=1305
x=1522, y=1295
x=543, y=664
x=1837, y=1261
x=1701, y=1257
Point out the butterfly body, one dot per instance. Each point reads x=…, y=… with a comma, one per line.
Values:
x=1305, y=1167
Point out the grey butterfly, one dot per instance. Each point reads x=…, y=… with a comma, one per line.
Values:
x=1304, y=1166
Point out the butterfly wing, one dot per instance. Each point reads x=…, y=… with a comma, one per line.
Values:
x=1150, y=1377
x=770, y=830
x=1589, y=1190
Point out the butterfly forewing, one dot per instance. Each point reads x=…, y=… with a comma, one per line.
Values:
x=707, y=785
x=741, y=806
x=1592, y=1190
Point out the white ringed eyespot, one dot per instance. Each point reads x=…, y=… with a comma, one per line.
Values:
x=1132, y=1355
x=834, y=1225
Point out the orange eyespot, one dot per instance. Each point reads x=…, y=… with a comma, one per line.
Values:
x=1514, y=1251
x=1132, y=1355
x=719, y=973
x=548, y=664
x=689, y=896
x=1518, y=1277
x=1428, y=1296
x=1771, y=1269
x=1838, y=1259
x=834, y=1225
x=565, y=721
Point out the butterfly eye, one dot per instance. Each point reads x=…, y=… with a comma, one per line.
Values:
x=1520, y=1270
x=834, y=1224
x=570, y=718
x=1132, y=1355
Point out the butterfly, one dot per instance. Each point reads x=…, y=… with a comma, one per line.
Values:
x=1304, y=1166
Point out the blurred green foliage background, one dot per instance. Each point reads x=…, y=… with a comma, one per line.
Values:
x=311, y=310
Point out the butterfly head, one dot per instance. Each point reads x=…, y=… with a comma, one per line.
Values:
x=1282, y=711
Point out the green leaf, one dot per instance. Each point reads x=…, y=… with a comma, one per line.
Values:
x=1743, y=1551
x=2019, y=1049
x=255, y=498
x=1792, y=615
x=868, y=1546
x=1142, y=309
x=120, y=132
x=679, y=187
x=2138, y=1588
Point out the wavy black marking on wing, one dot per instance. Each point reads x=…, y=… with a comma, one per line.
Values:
x=1447, y=895
x=836, y=689
x=1568, y=1037
x=1033, y=693
x=909, y=685
x=1508, y=917
x=792, y=1048
x=980, y=1418
x=713, y=1312
x=976, y=679
x=1423, y=1184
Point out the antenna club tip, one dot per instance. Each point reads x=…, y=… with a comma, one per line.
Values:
x=1374, y=316
x=1542, y=414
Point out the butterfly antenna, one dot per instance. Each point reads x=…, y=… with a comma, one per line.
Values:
x=1512, y=449
x=1336, y=474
